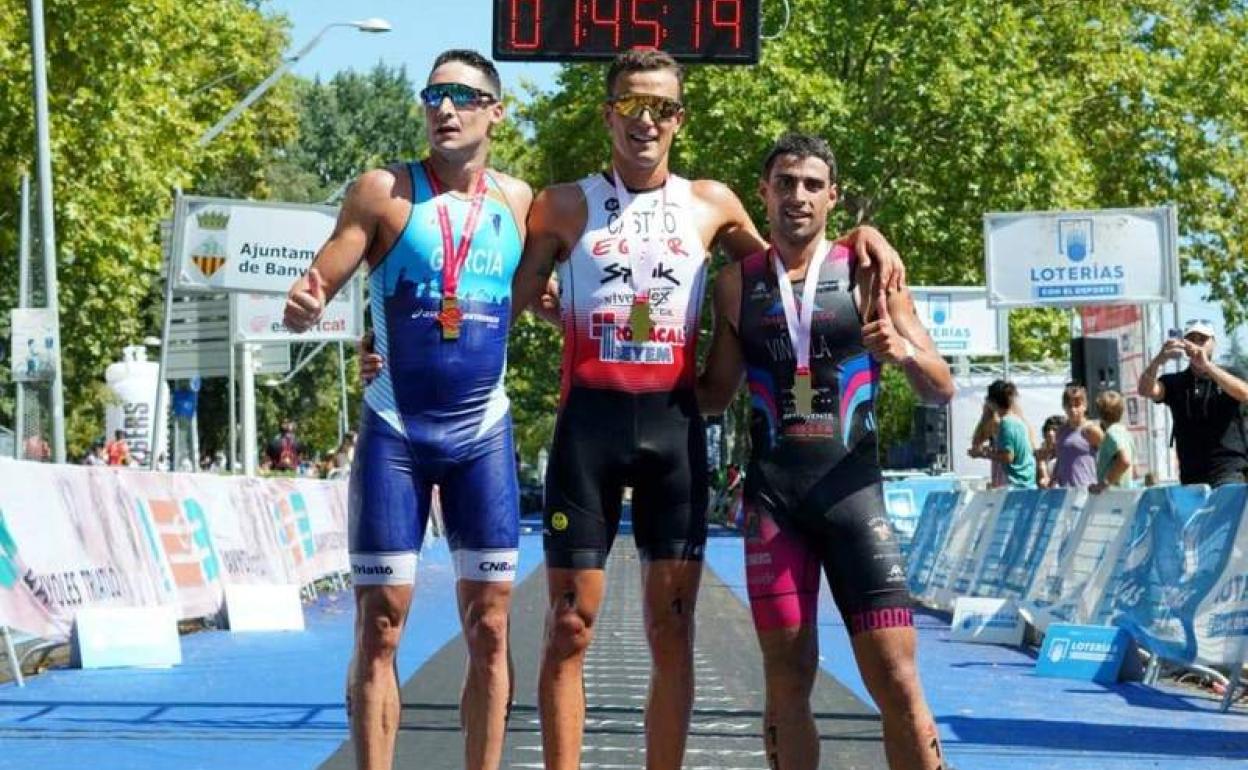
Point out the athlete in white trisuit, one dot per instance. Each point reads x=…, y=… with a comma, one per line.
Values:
x=441, y=238
x=631, y=244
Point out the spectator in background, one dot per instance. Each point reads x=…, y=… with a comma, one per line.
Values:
x=1207, y=402
x=37, y=448
x=285, y=451
x=1116, y=455
x=1012, y=446
x=982, y=442
x=1046, y=455
x=95, y=455
x=1077, y=441
x=118, y=450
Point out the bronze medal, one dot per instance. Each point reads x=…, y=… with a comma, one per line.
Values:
x=639, y=320
x=803, y=393
x=450, y=318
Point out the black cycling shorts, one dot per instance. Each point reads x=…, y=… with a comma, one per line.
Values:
x=840, y=529
x=606, y=440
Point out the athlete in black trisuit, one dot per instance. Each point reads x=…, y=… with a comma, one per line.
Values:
x=812, y=335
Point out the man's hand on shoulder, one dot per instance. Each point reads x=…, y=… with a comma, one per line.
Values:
x=877, y=261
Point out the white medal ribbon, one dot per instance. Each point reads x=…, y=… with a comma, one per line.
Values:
x=642, y=253
x=800, y=321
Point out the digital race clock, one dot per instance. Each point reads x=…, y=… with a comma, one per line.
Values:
x=715, y=31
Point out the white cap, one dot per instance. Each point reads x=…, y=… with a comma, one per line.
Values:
x=1199, y=327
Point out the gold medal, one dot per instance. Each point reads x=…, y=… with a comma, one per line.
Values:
x=803, y=393
x=450, y=318
x=639, y=320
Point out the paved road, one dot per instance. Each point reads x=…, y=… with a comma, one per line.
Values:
x=725, y=733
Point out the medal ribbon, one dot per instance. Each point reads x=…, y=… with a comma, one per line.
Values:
x=641, y=260
x=453, y=256
x=800, y=321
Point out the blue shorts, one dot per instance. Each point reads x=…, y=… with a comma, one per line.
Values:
x=392, y=479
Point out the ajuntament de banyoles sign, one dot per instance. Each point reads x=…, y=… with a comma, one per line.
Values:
x=1115, y=256
x=254, y=246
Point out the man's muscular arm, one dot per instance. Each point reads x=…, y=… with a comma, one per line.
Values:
x=554, y=214
x=886, y=337
x=341, y=255
x=722, y=220
x=725, y=364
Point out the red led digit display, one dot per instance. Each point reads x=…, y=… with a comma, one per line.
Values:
x=713, y=31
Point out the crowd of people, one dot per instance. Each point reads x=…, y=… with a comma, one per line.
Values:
x=285, y=454
x=1207, y=404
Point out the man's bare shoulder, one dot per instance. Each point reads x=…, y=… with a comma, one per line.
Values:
x=516, y=189
x=379, y=185
x=562, y=199
x=715, y=193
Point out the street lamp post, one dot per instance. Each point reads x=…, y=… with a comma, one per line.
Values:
x=47, y=229
x=366, y=25
x=372, y=25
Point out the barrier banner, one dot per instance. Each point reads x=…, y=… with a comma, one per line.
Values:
x=68, y=541
x=181, y=535
x=1215, y=581
x=976, y=513
x=929, y=538
x=74, y=537
x=1145, y=599
x=1025, y=553
x=905, y=500
x=1001, y=544
x=1070, y=592
x=988, y=512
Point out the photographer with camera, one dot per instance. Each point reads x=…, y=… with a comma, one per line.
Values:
x=1207, y=403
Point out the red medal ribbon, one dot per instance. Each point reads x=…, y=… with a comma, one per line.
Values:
x=454, y=256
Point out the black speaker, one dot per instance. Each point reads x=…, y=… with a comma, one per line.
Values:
x=1094, y=365
x=931, y=435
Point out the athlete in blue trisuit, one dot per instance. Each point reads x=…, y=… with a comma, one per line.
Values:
x=438, y=413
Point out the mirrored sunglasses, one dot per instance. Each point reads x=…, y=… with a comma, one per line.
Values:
x=632, y=105
x=460, y=95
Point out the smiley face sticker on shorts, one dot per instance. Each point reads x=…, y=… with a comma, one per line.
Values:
x=559, y=521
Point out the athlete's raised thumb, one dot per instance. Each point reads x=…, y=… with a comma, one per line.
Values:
x=316, y=285
x=881, y=306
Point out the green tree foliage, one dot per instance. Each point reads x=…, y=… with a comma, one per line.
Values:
x=354, y=122
x=131, y=86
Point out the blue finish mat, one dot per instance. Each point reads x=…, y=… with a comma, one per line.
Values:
x=275, y=700
x=271, y=700
x=995, y=714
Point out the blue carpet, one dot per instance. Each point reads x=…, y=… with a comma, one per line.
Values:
x=271, y=700
x=995, y=714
